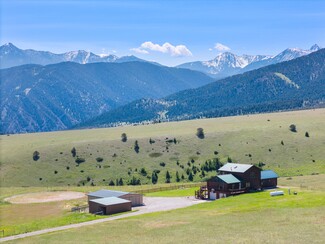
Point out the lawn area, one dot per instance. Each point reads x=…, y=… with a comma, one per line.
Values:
x=247, y=218
x=181, y=192
x=21, y=218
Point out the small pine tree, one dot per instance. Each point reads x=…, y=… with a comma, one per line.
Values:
x=36, y=156
x=200, y=133
x=177, y=177
x=120, y=182
x=306, y=134
x=136, y=147
x=175, y=141
x=282, y=143
x=111, y=183
x=190, y=177
x=124, y=137
x=183, y=177
x=167, y=177
x=154, y=177
x=73, y=152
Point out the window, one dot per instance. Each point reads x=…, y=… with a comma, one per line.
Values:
x=248, y=184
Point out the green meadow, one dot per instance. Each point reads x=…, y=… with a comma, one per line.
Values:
x=247, y=218
x=247, y=139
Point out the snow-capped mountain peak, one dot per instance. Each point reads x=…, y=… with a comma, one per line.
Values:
x=315, y=48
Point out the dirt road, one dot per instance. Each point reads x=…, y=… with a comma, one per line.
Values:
x=152, y=204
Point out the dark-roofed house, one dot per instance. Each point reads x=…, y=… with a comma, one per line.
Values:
x=224, y=186
x=249, y=175
x=269, y=179
x=109, y=205
x=135, y=198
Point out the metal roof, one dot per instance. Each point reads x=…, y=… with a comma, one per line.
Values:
x=228, y=178
x=232, y=167
x=109, y=201
x=268, y=174
x=107, y=193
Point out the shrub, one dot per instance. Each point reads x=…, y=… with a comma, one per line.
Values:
x=80, y=160
x=99, y=159
x=143, y=172
x=111, y=183
x=293, y=128
x=55, y=171
x=36, y=156
x=306, y=134
x=282, y=143
x=155, y=155
x=162, y=164
x=124, y=137
x=200, y=133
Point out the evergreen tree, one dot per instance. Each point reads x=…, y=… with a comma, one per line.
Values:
x=120, y=182
x=200, y=133
x=154, y=177
x=136, y=147
x=73, y=152
x=111, y=183
x=306, y=134
x=167, y=177
x=190, y=177
x=177, y=177
x=124, y=137
x=36, y=155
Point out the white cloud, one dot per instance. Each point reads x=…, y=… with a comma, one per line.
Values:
x=210, y=49
x=221, y=48
x=139, y=50
x=178, y=51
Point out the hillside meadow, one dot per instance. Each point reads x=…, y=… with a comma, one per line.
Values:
x=170, y=146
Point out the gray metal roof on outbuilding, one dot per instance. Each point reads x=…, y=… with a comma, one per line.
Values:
x=109, y=201
x=107, y=193
x=268, y=174
x=232, y=167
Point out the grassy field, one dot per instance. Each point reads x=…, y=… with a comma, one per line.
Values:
x=247, y=218
x=246, y=139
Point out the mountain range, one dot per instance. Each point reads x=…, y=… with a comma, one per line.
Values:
x=227, y=64
x=11, y=56
x=294, y=84
x=58, y=96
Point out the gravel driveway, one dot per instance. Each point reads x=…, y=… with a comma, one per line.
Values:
x=151, y=204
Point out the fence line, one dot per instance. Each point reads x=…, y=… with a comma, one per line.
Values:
x=172, y=187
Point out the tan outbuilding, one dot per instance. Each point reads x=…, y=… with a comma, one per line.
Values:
x=109, y=205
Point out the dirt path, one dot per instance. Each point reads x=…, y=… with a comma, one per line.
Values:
x=152, y=204
x=39, y=197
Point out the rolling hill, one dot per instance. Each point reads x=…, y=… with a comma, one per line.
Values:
x=169, y=146
x=58, y=96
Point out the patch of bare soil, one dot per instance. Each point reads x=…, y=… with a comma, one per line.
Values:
x=40, y=197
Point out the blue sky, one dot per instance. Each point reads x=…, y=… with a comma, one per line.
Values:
x=191, y=29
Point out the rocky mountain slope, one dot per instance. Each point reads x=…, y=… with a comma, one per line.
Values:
x=58, y=96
